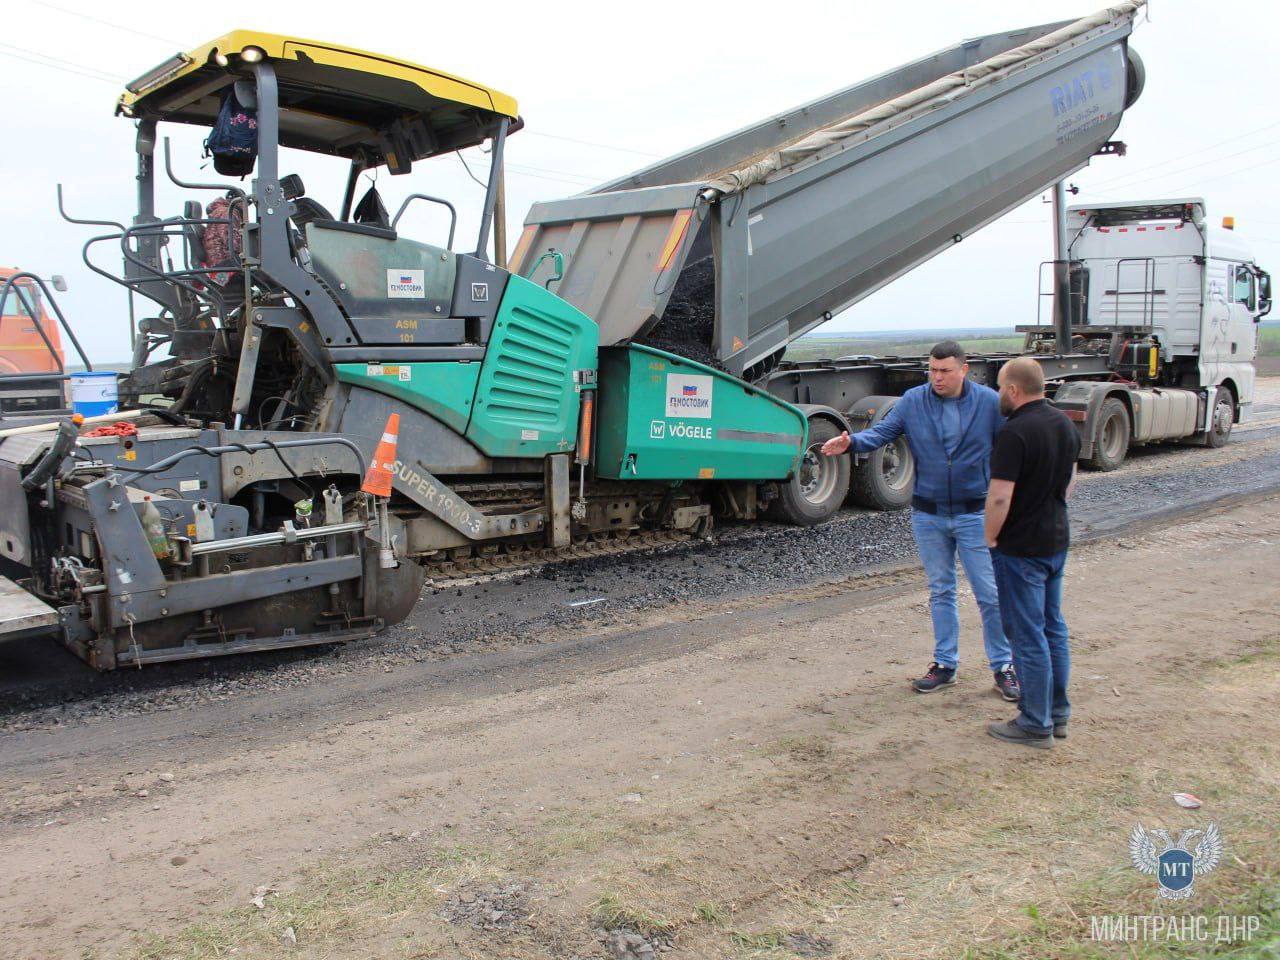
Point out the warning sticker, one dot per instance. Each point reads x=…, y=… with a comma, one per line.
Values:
x=400, y=371
x=406, y=284
x=688, y=395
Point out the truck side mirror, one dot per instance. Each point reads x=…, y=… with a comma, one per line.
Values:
x=59, y=282
x=1264, y=295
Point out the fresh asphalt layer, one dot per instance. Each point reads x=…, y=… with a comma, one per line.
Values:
x=458, y=636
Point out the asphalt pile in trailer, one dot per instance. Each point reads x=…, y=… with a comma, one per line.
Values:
x=688, y=324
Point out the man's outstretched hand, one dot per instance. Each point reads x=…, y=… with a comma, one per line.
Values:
x=836, y=445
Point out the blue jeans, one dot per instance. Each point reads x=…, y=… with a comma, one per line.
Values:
x=1031, y=605
x=938, y=538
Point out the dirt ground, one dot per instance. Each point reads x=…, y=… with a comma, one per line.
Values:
x=752, y=780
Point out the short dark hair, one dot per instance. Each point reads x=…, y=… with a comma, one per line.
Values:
x=949, y=348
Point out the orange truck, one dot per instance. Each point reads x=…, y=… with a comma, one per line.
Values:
x=23, y=318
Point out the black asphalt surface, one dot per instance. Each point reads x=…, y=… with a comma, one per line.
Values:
x=42, y=685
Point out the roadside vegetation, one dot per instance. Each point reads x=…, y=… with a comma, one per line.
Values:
x=818, y=348
x=907, y=344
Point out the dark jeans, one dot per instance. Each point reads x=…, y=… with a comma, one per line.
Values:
x=1031, y=610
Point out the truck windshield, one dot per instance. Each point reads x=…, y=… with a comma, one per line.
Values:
x=15, y=304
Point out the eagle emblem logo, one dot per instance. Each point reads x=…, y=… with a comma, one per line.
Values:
x=1175, y=863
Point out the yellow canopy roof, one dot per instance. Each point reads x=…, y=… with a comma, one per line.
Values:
x=333, y=99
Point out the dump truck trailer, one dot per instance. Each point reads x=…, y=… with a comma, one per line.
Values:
x=524, y=411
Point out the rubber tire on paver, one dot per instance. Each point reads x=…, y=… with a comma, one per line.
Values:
x=872, y=489
x=1215, y=437
x=792, y=505
x=1106, y=456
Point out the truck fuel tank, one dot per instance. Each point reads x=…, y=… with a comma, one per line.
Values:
x=1164, y=414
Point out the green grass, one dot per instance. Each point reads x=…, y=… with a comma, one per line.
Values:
x=712, y=913
x=1059, y=940
x=769, y=940
x=1269, y=342
x=613, y=911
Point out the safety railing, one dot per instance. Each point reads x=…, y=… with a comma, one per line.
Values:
x=1076, y=295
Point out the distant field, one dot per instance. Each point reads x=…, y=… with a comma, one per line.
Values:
x=817, y=348
x=1269, y=345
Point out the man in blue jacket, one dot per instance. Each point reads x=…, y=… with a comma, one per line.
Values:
x=950, y=423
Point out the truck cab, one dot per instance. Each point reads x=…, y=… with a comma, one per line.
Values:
x=1157, y=271
x=29, y=341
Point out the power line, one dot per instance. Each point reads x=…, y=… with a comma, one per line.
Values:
x=54, y=63
x=152, y=36
x=587, y=177
x=1194, y=166
x=538, y=176
x=1186, y=156
x=78, y=69
x=592, y=143
x=538, y=173
x=91, y=73
x=105, y=23
x=1232, y=173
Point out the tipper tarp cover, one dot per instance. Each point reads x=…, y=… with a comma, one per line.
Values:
x=923, y=98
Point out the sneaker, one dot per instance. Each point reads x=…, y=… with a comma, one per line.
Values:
x=937, y=677
x=1007, y=683
x=1012, y=733
x=1060, y=729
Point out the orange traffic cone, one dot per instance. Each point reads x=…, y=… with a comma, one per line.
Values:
x=378, y=480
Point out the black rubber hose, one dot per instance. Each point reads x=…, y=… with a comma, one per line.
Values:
x=49, y=463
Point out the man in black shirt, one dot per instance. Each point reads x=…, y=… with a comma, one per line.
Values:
x=1033, y=470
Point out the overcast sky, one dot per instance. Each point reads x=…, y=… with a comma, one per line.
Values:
x=603, y=93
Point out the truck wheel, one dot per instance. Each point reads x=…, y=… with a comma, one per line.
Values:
x=884, y=479
x=1224, y=414
x=816, y=490
x=1111, y=439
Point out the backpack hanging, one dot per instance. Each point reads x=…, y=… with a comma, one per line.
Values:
x=233, y=141
x=371, y=210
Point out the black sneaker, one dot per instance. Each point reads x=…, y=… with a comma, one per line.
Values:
x=937, y=677
x=1060, y=729
x=1007, y=683
x=1012, y=733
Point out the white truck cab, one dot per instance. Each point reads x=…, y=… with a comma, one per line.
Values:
x=1158, y=270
